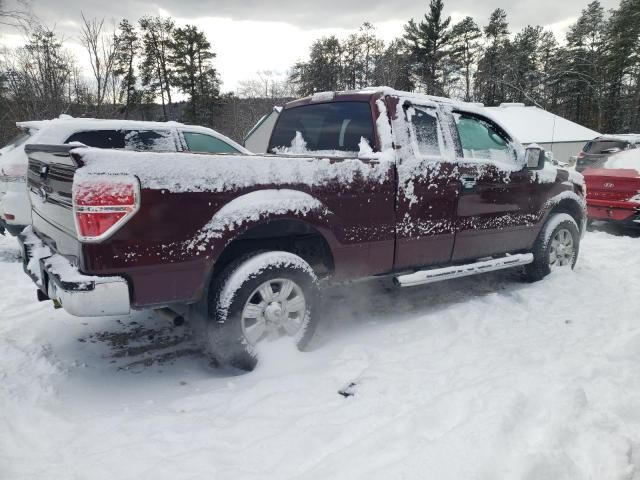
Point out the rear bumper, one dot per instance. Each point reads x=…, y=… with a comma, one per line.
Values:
x=80, y=295
x=621, y=213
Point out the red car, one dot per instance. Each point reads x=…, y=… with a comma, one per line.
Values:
x=613, y=192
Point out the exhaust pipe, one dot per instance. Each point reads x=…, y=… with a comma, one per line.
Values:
x=170, y=315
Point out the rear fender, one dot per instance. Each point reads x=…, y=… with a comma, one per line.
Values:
x=249, y=212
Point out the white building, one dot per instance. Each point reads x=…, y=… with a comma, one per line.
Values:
x=555, y=134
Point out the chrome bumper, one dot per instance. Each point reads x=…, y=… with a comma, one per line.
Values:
x=80, y=295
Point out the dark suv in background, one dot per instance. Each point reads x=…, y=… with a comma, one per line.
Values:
x=596, y=152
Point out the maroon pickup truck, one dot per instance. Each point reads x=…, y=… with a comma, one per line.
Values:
x=360, y=184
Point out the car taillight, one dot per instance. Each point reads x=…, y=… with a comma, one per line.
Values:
x=102, y=205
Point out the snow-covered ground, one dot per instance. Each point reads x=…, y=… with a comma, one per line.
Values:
x=481, y=378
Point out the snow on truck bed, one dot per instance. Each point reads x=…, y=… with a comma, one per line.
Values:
x=485, y=377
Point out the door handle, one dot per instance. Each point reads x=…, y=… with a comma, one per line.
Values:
x=468, y=182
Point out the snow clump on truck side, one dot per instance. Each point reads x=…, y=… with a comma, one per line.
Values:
x=190, y=172
x=254, y=206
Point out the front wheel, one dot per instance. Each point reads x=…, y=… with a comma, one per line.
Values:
x=557, y=246
x=258, y=298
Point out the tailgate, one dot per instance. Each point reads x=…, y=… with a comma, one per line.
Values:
x=611, y=185
x=49, y=180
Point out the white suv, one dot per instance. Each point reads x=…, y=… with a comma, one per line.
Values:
x=15, y=209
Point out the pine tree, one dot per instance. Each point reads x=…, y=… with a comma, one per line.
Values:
x=622, y=58
x=323, y=71
x=491, y=66
x=584, y=77
x=393, y=67
x=428, y=42
x=194, y=74
x=465, y=37
x=127, y=46
x=155, y=69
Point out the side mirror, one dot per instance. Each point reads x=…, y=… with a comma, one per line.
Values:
x=535, y=158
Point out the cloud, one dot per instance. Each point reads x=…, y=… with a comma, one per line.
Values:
x=315, y=14
x=253, y=35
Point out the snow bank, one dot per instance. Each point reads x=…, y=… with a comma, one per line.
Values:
x=486, y=377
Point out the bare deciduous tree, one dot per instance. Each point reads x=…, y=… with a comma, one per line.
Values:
x=101, y=49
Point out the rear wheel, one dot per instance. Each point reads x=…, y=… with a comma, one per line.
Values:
x=557, y=246
x=258, y=298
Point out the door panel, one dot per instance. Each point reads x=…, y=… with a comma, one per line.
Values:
x=494, y=212
x=427, y=190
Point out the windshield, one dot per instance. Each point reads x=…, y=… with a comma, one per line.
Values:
x=324, y=127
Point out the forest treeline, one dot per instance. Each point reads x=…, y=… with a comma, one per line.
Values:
x=139, y=69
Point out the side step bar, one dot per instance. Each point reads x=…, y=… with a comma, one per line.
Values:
x=457, y=271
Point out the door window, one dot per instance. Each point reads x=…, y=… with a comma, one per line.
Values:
x=425, y=131
x=482, y=140
x=203, y=143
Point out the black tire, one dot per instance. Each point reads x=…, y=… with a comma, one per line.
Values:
x=542, y=248
x=236, y=285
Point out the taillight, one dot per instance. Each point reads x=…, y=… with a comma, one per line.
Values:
x=581, y=155
x=102, y=205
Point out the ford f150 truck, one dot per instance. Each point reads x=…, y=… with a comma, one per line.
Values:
x=359, y=184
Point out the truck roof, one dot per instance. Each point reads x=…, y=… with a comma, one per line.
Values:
x=367, y=94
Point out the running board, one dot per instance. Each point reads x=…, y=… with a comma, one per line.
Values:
x=457, y=271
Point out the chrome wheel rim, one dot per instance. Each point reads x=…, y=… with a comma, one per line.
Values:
x=562, y=249
x=276, y=308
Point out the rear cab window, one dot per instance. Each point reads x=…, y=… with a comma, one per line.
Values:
x=323, y=127
x=128, y=139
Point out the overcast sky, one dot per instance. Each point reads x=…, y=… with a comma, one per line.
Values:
x=253, y=35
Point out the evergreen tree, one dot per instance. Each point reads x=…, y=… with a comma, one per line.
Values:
x=361, y=52
x=465, y=37
x=323, y=71
x=127, y=47
x=622, y=59
x=155, y=69
x=194, y=73
x=492, y=64
x=428, y=42
x=584, y=67
x=393, y=68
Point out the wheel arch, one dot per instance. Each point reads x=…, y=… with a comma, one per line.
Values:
x=570, y=203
